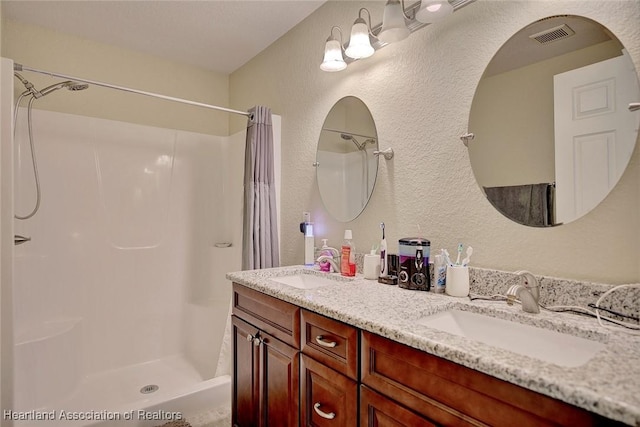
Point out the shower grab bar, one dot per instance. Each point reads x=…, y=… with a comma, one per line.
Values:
x=18, y=239
x=20, y=67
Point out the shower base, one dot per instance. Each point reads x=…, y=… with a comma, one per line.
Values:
x=144, y=395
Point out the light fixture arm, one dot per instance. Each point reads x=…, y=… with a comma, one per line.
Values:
x=331, y=37
x=369, y=16
x=404, y=12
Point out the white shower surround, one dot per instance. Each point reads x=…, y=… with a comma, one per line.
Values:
x=348, y=178
x=122, y=285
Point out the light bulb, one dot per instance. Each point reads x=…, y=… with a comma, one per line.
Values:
x=433, y=10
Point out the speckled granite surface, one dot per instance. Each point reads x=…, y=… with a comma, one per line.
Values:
x=608, y=384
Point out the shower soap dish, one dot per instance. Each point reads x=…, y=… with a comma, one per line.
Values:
x=223, y=245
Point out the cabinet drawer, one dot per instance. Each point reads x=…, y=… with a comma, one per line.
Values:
x=378, y=411
x=433, y=386
x=276, y=317
x=327, y=397
x=330, y=342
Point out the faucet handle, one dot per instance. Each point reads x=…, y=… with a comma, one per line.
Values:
x=531, y=283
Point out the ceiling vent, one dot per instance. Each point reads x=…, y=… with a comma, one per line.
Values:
x=553, y=34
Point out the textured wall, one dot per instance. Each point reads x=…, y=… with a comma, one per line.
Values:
x=419, y=92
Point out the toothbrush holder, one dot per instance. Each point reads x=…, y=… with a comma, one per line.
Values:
x=457, y=281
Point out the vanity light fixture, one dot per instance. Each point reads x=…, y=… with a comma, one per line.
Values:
x=333, y=59
x=359, y=43
x=394, y=28
x=398, y=23
x=433, y=10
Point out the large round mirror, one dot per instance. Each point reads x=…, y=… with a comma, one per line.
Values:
x=554, y=121
x=346, y=168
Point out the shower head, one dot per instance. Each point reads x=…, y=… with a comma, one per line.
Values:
x=70, y=85
x=75, y=86
x=360, y=145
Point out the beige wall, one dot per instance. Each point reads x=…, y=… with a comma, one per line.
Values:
x=419, y=92
x=53, y=51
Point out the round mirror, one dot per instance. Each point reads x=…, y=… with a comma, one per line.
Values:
x=555, y=121
x=346, y=168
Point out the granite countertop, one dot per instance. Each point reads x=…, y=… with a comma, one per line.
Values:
x=608, y=384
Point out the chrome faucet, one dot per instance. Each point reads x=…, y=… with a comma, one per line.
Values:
x=334, y=251
x=335, y=267
x=528, y=292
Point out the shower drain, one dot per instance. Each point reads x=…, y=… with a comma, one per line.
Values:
x=149, y=389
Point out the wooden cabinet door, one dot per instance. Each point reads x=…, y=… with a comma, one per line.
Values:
x=245, y=383
x=378, y=411
x=266, y=374
x=328, y=398
x=279, y=383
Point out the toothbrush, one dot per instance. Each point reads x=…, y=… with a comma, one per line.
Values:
x=384, y=268
x=446, y=256
x=465, y=261
x=459, y=253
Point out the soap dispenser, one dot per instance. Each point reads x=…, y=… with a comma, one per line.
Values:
x=325, y=265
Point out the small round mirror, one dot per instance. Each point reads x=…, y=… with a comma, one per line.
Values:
x=346, y=168
x=553, y=120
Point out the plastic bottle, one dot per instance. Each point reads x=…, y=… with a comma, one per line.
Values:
x=371, y=265
x=347, y=258
x=324, y=264
x=440, y=273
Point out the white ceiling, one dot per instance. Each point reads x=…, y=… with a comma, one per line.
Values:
x=216, y=35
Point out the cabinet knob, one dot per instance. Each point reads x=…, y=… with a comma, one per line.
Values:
x=321, y=341
x=255, y=338
x=328, y=416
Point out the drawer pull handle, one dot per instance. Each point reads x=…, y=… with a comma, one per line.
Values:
x=329, y=416
x=330, y=344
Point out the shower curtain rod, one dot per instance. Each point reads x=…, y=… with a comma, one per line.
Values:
x=20, y=67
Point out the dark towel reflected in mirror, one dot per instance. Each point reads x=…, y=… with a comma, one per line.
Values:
x=531, y=204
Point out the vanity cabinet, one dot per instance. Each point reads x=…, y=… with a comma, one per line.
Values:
x=379, y=411
x=293, y=367
x=266, y=368
x=329, y=375
x=450, y=394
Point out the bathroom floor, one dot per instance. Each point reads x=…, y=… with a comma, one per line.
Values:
x=217, y=417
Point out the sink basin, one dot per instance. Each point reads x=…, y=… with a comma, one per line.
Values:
x=305, y=281
x=543, y=344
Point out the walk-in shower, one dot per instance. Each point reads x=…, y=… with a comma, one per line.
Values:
x=119, y=301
